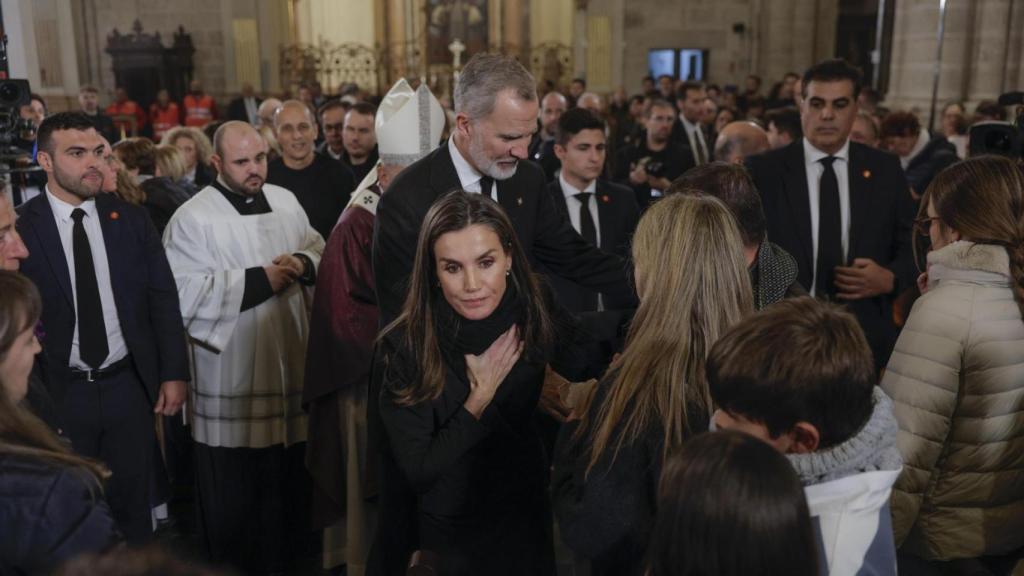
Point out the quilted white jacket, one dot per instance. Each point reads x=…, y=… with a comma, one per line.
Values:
x=957, y=382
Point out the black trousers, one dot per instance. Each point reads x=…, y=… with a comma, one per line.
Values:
x=254, y=506
x=111, y=420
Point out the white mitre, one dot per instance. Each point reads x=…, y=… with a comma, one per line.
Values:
x=408, y=125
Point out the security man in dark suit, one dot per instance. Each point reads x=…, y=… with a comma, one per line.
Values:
x=605, y=214
x=843, y=210
x=114, y=333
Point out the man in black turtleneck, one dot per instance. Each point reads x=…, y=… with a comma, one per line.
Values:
x=321, y=184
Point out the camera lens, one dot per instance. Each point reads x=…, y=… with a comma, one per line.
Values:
x=999, y=142
x=9, y=93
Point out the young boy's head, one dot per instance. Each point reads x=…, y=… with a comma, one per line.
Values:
x=798, y=374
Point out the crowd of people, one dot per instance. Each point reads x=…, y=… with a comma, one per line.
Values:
x=690, y=331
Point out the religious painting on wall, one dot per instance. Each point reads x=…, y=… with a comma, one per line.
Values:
x=450, y=20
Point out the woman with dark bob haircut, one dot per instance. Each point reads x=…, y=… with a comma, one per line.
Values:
x=731, y=505
x=464, y=365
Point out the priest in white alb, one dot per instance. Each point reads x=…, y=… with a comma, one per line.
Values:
x=243, y=253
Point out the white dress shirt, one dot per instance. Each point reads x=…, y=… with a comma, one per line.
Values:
x=469, y=177
x=65, y=225
x=815, y=168
x=696, y=138
x=573, y=204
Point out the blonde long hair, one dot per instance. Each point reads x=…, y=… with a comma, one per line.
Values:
x=693, y=284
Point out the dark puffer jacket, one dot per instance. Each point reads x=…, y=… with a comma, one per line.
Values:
x=49, y=514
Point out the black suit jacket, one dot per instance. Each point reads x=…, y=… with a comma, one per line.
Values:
x=236, y=109
x=145, y=294
x=618, y=214
x=680, y=137
x=545, y=234
x=881, y=221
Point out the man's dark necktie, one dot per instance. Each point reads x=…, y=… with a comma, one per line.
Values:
x=589, y=232
x=587, y=228
x=702, y=155
x=92, y=332
x=830, y=230
x=486, y=185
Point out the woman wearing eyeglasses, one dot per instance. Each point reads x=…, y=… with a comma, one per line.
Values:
x=957, y=377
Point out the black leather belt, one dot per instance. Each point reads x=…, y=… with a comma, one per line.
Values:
x=94, y=375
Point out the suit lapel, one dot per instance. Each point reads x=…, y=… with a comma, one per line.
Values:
x=44, y=226
x=508, y=195
x=860, y=200
x=797, y=196
x=555, y=189
x=605, y=216
x=443, y=177
x=111, y=225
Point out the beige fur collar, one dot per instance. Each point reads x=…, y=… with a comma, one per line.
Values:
x=964, y=255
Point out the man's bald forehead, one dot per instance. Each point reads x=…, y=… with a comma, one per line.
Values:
x=230, y=133
x=294, y=105
x=553, y=98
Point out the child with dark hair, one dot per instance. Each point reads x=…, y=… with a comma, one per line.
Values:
x=728, y=491
x=799, y=375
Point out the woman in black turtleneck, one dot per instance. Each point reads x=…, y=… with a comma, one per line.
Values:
x=463, y=374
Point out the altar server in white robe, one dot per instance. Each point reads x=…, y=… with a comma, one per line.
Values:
x=242, y=252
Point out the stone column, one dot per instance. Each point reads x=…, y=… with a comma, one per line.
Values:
x=981, y=53
x=794, y=34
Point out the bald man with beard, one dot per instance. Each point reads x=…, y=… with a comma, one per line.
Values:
x=240, y=251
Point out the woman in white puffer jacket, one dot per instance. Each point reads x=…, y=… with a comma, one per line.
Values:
x=957, y=374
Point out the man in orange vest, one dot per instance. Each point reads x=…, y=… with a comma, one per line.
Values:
x=164, y=115
x=200, y=108
x=122, y=110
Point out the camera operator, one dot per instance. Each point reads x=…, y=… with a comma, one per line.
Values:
x=650, y=165
x=25, y=182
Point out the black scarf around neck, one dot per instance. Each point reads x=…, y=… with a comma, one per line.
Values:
x=459, y=336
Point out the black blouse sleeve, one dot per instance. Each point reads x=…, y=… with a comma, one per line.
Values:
x=423, y=447
x=581, y=349
x=612, y=508
x=74, y=520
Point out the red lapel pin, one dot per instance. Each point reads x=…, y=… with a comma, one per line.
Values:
x=867, y=174
x=114, y=215
x=604, y=198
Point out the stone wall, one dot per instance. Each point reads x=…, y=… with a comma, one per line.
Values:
x=777, y=35
x=982, y=53
x=210, y=24
x=202, y=19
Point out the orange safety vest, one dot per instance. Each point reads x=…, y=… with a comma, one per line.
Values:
x=127, y=108
x=163, y=119
x=199, y=111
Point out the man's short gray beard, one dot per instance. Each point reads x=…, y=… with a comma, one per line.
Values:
x=486, y=165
